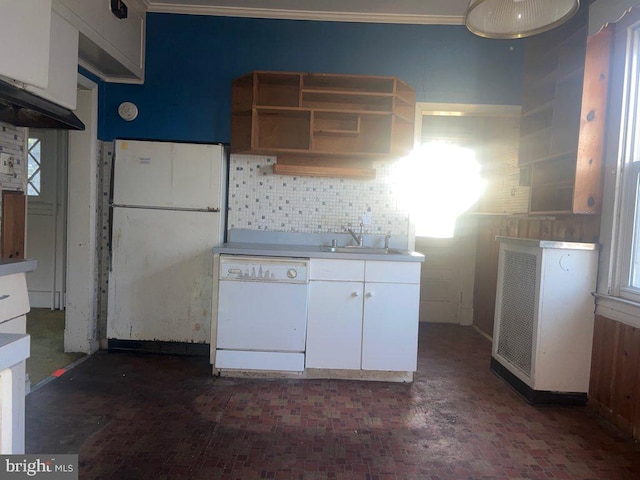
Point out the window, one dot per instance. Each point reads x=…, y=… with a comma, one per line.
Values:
x=628, y=281
x=619, y=275
x=33, y=167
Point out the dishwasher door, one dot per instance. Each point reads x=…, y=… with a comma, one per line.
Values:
x=262, y=314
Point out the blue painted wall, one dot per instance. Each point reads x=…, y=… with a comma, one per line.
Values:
x=191, y=61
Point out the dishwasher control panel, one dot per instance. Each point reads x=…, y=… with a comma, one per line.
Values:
x=264, y=269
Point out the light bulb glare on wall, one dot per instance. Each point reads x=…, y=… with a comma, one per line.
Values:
x=436, y=183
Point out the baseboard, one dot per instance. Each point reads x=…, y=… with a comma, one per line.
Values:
x=164, y=348
x=537, y=397
x=40, y=299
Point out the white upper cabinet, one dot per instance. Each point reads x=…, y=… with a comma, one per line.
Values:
x=40, y=50
x=25, y=28
x=63, y=65
x=110, y=47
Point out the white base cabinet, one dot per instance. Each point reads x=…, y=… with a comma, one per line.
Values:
x=363, y=315
x=14, y=350
x=14, y=303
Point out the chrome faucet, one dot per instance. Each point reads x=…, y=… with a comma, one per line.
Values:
x=357, y=238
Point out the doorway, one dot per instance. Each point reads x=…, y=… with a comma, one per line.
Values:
x=46, y=217
x=47, y=154
x=492, y=132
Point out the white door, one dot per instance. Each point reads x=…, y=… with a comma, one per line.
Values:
x=161, y=280
x=390, y=327
x=334, y=325
x=46, y=216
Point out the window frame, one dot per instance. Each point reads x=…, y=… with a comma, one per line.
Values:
x=627, y=229
x=614, y=298
x=39, y=169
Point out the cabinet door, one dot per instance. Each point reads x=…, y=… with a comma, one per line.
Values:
x=334, y=325
x=24, y=29
x=390, y=327
x=110, y=46
x=63, y=65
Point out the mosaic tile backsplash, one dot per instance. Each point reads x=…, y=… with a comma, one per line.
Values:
x=13, y=142
x=261, y=200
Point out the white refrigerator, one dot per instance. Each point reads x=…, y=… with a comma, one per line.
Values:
x=168, y=212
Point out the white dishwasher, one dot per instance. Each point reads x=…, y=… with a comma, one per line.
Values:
x=262, y=313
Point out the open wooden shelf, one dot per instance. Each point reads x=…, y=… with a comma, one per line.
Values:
x=562, y=131
x=321, y=120
x=328, y=166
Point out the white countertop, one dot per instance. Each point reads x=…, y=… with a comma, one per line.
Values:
x=9, y=266
x=14, y=348
x=311, y=251
x=529, y=242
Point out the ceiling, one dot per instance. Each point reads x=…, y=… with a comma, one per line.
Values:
x=424, y=12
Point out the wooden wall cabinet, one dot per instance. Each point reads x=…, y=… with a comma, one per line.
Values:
x=563, y=118
x=322, y=124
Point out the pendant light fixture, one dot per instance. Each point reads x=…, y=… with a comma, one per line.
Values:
x=517, y=18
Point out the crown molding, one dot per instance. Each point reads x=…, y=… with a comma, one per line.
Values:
x=360, y=17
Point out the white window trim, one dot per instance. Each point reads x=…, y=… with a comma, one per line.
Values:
x=614, y=299
x=38, y=170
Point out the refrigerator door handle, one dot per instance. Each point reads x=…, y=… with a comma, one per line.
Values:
x=175, y=209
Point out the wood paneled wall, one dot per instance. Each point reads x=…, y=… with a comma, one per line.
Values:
x=486, y=273
x=614, y=387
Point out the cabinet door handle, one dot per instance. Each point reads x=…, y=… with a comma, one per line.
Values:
x=355, y=294
x=369, y=294
x=4, y=297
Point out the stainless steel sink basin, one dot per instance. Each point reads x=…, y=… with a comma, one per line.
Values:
x=365, y=250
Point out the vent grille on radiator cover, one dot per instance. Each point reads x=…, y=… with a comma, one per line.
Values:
x=517, y=309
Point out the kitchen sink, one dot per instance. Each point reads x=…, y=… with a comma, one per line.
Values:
x=365, y=250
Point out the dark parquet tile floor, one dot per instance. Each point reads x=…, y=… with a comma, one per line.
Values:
x=160, y=417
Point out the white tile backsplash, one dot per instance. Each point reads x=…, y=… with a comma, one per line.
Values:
x=261, y=200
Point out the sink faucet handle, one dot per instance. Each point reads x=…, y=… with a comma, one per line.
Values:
x=358, y=238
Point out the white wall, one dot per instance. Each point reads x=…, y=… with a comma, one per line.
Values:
x=81, y=313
